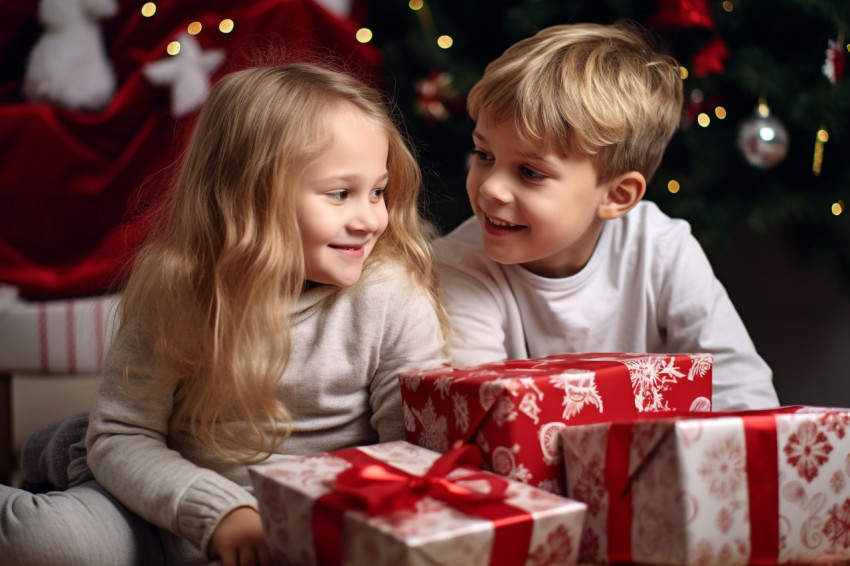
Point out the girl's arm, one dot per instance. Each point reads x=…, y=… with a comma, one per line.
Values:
x=129, y=455
x=412, y=339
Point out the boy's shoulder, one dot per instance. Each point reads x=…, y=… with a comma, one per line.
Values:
x=462, y=243
x=646, y=221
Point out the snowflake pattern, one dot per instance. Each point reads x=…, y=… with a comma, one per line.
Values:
x=837, y=526
x=579, y=391
x=724, y=467
x=461, y=412
x=836, y=422
x=442, y=385
x=807, y=450
x=556, y=550
x=434, y=428
x=651, y=376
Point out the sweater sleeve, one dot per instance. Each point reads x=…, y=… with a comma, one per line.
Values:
x=412, y=339
x=129, y=455
x=697, y=315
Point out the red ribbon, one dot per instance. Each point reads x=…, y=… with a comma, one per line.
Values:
x=762, y=481
x=376, y=488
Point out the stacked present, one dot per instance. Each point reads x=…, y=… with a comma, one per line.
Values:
x=653, y=476
x=398, y=504
x=514, y=410
x=755, y=487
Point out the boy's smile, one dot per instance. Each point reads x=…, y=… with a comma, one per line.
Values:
x=536, y=209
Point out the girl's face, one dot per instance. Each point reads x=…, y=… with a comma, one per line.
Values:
x=340, y=204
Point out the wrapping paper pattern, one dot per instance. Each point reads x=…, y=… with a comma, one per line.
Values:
x=513, y=410
x=434, y=533
x=733, y=488
x=55, y=337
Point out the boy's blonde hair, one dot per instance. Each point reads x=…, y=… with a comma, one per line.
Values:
x=586, y=89
x=212, y=290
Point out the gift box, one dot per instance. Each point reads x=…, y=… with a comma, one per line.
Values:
x=752, y=487
x=513, y=410
x=397, y=504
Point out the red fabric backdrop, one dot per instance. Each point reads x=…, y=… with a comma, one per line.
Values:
x=74, y=186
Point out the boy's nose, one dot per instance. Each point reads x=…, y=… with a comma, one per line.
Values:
x=493, y=187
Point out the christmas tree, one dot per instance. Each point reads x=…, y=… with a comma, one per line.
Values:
x=764, y=139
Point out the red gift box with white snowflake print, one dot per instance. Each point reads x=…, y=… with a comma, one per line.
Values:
x=396, y=504
x=513, y=410
x=747, y=487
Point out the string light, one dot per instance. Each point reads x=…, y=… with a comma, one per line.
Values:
x=703, y=119
x=728, y=6
x=416, y=4
x=817, y=161
x=364, y=35
x=683, y=72
x=673, y=186
x=149, y=9
x=720, y=112
x=838, y=207
x=226, y=25
x=173, y=48
x=445, y=41
x=194, y=28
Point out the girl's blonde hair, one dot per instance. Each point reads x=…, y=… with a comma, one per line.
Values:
x=586, y=89
x=212, y=290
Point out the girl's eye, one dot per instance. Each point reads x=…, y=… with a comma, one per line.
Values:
x=478, y=154
x=531, y=174
x=377, y=194
x=341, y=194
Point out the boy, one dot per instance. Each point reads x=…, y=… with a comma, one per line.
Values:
x=562, y=255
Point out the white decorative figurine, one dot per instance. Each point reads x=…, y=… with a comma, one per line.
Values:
x=68, y=65
x=187, y=74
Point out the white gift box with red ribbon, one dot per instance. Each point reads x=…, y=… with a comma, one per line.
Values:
x=750, y=487
x=397, y=504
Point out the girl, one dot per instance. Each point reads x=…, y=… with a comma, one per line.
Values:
x=287, y=285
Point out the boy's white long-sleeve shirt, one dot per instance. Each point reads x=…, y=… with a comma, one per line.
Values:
x=648, y=287
x=340, y=385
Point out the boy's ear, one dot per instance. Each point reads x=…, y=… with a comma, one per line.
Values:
x=621, y=195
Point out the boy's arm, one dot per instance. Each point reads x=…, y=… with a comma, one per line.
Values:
x=698, y=316
x=477, y=317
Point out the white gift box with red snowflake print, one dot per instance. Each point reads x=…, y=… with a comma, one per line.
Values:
x=764, y=487
x=389, y=505
x=513, y=410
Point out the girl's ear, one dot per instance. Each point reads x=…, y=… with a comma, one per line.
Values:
x=621, y=195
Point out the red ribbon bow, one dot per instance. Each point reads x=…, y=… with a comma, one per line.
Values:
x=377, y=488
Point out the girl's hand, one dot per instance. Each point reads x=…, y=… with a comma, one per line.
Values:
x=238, y=539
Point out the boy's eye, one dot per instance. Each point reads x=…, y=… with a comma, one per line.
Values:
x=529, y=173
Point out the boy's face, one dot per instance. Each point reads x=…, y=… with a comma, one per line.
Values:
x=535, y=209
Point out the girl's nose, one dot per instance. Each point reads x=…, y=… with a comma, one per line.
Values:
x=367, y=216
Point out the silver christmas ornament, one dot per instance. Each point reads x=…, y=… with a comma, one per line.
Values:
x=763, y=140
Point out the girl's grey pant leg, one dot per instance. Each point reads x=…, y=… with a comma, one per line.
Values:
x=82, y=526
